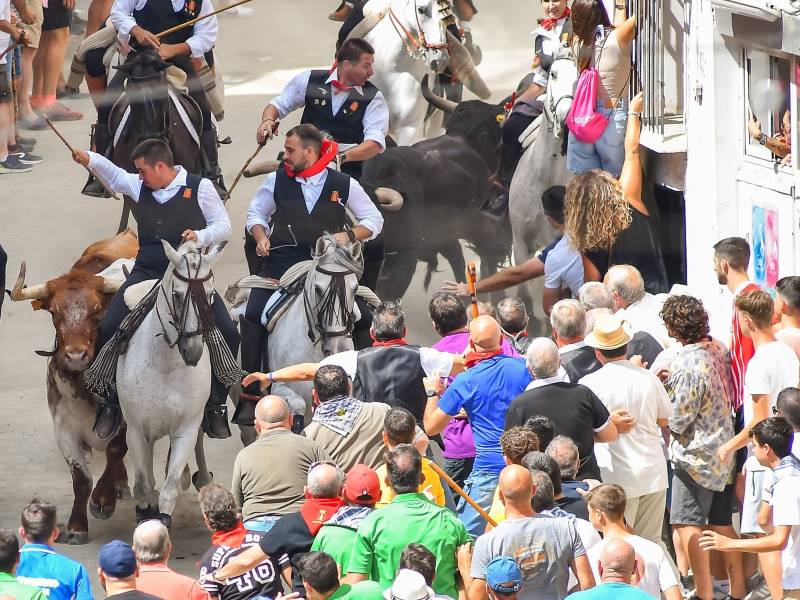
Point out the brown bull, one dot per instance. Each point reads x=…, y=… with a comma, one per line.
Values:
x=77, y=302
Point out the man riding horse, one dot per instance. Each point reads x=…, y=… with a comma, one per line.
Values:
x=344, y=104
x=293, y=207
x=174, y=206
x=137, y=22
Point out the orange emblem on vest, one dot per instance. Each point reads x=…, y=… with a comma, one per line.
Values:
x=334, y=196
x=354, y=106
x=187, y=193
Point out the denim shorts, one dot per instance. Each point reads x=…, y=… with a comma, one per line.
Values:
x=608, y=152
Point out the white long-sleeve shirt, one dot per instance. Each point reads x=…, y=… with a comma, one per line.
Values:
x=204, y=34
x=376, y=115
x=262, y=206
x=218, y=224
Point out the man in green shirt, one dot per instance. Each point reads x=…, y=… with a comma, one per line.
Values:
x=409, y=518
x=9, y=559
x=321, y=580
x=361, y=491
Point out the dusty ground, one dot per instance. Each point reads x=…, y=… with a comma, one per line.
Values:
x=45, y=221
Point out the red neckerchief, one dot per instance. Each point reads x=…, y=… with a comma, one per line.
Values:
x=232, y=538
x=472, y=358
x=328, y=153
x=336, y=83
x=387, y=343
x=550, y=24
x=316, y=512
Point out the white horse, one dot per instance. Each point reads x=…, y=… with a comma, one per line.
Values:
x=542, y=165
x=164, y=378
x=320, y=320
x=410, y=40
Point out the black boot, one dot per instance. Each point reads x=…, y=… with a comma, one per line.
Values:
x=215, y=419
x=210, y=160
x=253, y=353
x=101, y=139
x=109, y=417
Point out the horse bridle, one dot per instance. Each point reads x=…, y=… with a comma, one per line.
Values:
x=195, y=294
x=317, y=332
x=552, y=105
x=415, y=45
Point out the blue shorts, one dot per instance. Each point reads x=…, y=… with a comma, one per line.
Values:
x=608, y=152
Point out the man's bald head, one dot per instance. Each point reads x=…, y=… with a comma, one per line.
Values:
x=273, y=412
x=485, y=333
x=516, y=486
x=617, y=561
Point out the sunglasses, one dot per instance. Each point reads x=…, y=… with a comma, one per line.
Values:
x=314, y=465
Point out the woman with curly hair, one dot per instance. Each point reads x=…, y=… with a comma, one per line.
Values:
x=700, y=386
x=606, y=220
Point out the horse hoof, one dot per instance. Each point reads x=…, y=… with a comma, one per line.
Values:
x=166, y=520
x=73, y=538
x=146, y=514
x=200, y=483
x=101, y=511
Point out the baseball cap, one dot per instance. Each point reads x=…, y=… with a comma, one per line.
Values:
x=117, y=559
x=503, y=575
x=409, y=585
x=361, y=486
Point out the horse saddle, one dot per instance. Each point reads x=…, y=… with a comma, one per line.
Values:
x=182, y=107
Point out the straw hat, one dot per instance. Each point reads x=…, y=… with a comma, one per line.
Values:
x=608, y=333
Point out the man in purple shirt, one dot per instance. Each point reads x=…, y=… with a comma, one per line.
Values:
x=449, y=317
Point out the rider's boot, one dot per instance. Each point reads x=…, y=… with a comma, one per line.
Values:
x=253, y=351
x=102, y=143
x=340, y=14
x=215, y=419
x=210, y=161
x=109, y=417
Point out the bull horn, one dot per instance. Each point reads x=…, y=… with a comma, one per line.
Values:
x=35, y=292
x=262, y=168
x=390, y=199
x=463, y=67
x=443, y=104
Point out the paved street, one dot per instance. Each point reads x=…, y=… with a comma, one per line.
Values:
x=45, y=221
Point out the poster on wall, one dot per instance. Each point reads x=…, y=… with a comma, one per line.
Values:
x=765, y=247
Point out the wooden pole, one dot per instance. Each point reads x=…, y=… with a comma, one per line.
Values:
x=246, y=164
x=200, y=18
x=458, y=490
x=472, y=281
x=7, y=50
x=71, y=149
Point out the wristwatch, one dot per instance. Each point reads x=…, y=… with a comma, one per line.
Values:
x=431, y=393
x=762, y=139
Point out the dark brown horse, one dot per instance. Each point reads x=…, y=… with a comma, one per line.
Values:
x=151, y=108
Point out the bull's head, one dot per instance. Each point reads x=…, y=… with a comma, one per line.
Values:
x=77, y=302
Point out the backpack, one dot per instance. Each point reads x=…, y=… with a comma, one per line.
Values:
x=585, y=123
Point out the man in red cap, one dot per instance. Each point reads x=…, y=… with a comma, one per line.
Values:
x=362, y=490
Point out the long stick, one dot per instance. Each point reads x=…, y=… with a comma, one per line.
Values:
x=246, y=164
x=472, y=281
x=7, y=50
x=457, y=489
x=200, y=18
x=71, y=149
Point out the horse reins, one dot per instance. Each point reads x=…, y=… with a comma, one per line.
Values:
x=415, y=45
x=197, y=297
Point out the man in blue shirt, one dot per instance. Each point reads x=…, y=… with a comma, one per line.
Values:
x=617, y=566
x=484, y=391
x=59, y=577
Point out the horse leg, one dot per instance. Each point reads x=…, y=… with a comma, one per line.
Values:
x=203, y=476
x=398, y=271
x=181, y=444
x=103, y=501
x=141, y=455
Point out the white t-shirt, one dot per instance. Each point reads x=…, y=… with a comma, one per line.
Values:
x=786, y=511
x=656, y=574
x=636, y=460
x=430, y=359
x=773, y=368
x=5, y=39
x=563, y=268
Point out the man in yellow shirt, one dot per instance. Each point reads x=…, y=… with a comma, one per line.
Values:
x=399, y=427
x=515, y=444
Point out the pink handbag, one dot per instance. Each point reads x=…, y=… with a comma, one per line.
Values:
x=585, y=123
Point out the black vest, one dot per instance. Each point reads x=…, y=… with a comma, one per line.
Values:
x=158, y=15
x=346, y=126
x=392, y=375
x=167, y=222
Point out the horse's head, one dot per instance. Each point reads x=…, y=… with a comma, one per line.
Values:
x=422, y=24
x=330, y=293
x=147, y=92
x=561, y=85
x=186, y=295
